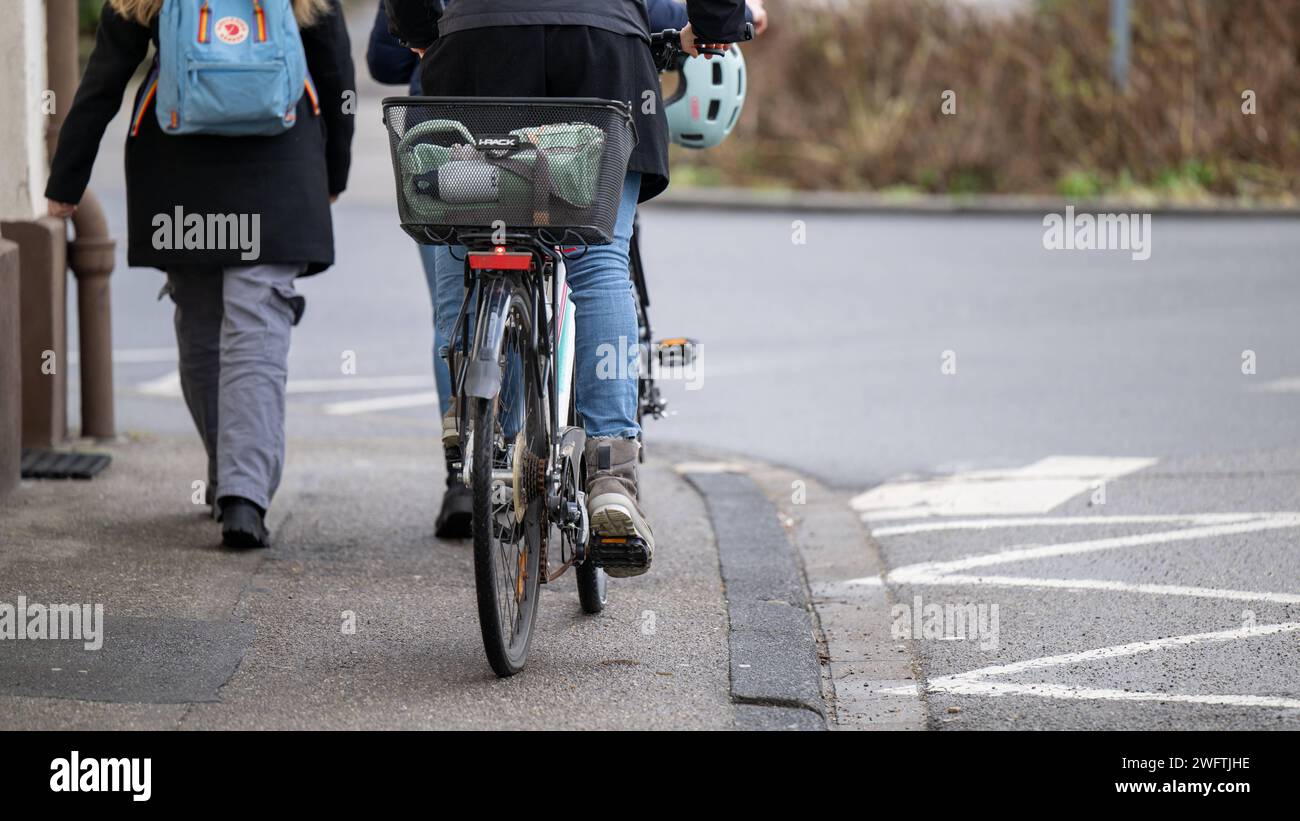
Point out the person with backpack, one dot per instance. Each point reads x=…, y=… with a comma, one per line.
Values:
x=239, y=141
x=572, y=48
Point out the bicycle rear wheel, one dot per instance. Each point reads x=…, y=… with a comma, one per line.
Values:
x=509, y=457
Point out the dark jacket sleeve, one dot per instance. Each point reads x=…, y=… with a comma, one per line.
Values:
x=120, y=47
x=329, y=59
x=665, y=14
x=717, y=21
x=670, y=14
x=389, y=61
x=414, y=22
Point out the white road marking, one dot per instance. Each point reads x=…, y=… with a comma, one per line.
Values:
x=1273, y=521
x=169, y=384
x=683, y=468
x=866, y=581
x=410, y=400
x=975, y=682
x=1035, y=488
x=1062, y=521
x=1116, y=587
x=359, y=383
x=1287, y=385
x=133, y=356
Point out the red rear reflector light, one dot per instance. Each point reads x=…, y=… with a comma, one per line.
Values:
x=501, y=261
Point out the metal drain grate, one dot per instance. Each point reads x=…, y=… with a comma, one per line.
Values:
x=53, y=464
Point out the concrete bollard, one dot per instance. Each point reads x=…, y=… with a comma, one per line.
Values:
x=42, y=296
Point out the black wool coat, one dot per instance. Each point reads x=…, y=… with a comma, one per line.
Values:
x=286, y=179
x=556, y=48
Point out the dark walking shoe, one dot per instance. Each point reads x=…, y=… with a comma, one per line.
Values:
x=243, y=524
x=621, y=539
x=456, y=514
x=457, y=501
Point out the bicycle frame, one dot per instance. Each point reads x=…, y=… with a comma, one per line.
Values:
x=491, y=273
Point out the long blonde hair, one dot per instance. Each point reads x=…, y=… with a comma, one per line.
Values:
x=143, y=11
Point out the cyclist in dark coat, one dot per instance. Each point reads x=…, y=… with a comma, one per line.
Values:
x=572, y=48
x=392, y=63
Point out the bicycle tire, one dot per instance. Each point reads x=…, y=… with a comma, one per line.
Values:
x=593, y=582
x=507, y=636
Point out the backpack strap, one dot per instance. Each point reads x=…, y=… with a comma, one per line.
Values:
x=312, y=95
x=150, y=91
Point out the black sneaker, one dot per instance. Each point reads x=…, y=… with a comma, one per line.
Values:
x=457, y=513
x=243, y=524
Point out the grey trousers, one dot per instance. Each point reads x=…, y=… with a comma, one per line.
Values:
x=232, y=334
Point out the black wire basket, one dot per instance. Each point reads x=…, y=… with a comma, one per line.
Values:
x=552, y=167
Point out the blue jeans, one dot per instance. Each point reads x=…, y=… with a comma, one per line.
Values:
x=441, y=375
x=605, y=355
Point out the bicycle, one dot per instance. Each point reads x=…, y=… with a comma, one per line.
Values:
x=522, y=441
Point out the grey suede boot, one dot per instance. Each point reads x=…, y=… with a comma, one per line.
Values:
x=612, y=505
x=451, y=436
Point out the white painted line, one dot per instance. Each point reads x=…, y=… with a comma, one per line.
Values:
x=1117, y=587
x=931, y=572
x=1035, y=488
x=866, y=581
x=344, y=384
x=975, y=682
x=134, y=356
x=683, y=468
x=168, y=384
x=409, y=400
x=1062, y=521
x=1288, y=385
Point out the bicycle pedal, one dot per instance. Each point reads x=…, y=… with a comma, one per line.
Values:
x=678, y=352
x=618, y=551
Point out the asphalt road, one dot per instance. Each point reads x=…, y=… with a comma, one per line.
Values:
x=826, y=357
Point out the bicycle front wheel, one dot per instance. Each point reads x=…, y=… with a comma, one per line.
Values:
x=508, y=471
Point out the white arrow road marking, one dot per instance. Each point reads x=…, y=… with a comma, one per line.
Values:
x=950, y=572
x=1035, y=488
x=975, y=682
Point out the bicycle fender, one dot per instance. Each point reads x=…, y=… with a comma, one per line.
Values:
x=483, y=372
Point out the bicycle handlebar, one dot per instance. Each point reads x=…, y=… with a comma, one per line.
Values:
x=666, y=48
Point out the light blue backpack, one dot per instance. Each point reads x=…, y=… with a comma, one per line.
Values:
x=229, y=67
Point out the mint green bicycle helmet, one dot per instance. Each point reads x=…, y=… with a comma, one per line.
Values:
x=707, y=102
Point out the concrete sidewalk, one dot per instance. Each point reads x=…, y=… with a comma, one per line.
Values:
x=198, y=637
